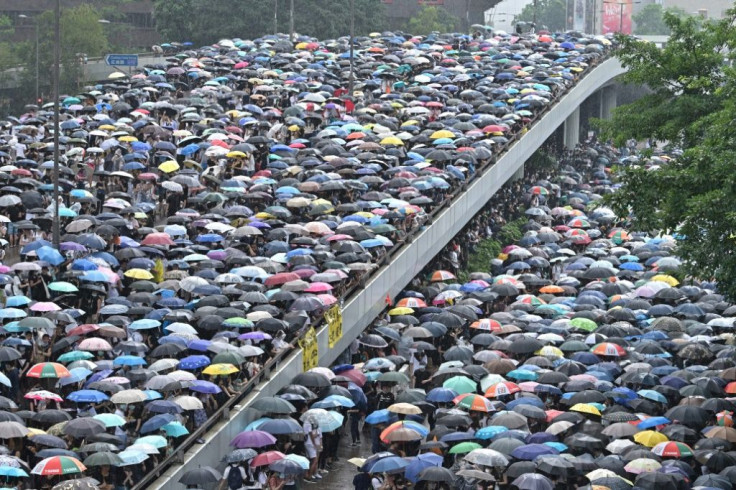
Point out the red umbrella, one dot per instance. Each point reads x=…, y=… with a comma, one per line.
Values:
x=267, y=458
x=281, y=278
x=83, y=329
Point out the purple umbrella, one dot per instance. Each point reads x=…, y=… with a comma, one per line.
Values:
x=73, y=246
x=201, y=386
x=253, y=438
x=98, y=376
x=257, y=335
x=530, y=452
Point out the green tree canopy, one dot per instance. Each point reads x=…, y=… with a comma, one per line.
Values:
x=650, y=20
x=430, y=19
x=693, y=105
x=206, y=22
x=550, y=14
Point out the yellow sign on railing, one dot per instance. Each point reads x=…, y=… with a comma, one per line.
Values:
x=333, y=316
x=310, y=350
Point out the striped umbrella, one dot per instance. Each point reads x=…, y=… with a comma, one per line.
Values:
x=58, y=465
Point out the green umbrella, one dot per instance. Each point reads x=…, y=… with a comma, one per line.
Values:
x=464, y=447
x=110, y=419
x=461, y=384
x=228, y=358
x=76, y=355
x=103, y=458
x=584, y=324
x=63, y=287
x=37, y=322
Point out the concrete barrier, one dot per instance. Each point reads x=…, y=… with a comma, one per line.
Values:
x=363, y=308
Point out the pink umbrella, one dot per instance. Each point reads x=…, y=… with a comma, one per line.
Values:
x=336, y=271
x=112, y=278
x=327, y=299
x=43, y=395
x=94, y=344
x=158, y=239
x=318, y=287
x=45, y=306
x=355, y=376
x=217, y=254
x=4, y=269
x=338, y=237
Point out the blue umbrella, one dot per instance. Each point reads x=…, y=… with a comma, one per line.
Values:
x=156, y=422
x=530, y=452
x=50, y=255
x=419, y=463
x=194, y=362
x=489, y=431
x=144, y=324
x=392, y=464
x=380, y=417
x=94, y=276
x=35, y=245
x=129, y=361
x=653, y=422
x=441, y=395
x=84, y=265
x=87, y=396
x=13, y=301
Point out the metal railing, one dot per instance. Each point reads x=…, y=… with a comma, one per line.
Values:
x=177, y=455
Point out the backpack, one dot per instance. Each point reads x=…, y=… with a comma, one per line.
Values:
x=235, y=477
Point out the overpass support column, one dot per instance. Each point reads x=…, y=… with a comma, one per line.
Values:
x=572, y=129
x=608, y=101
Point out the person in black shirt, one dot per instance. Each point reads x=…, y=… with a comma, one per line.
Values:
x=385, y=397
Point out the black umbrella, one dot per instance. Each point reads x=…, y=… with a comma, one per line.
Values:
x=437, y=474
x=201, y=476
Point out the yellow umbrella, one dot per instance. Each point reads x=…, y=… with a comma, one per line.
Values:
x=220, y=369
x=410, y=122
x=650, y=438
x=302, y=46
x=116, y=74
x=550, y=350
x=442, y=133
x=169, y=166
x=392, y=140
x=401, y=310
x=107, y=127
x=263, y=215
x=32, y=431
x=236, y=154
x=127, y=139
x=585, y=408
x=666, y=278
x=139, y=274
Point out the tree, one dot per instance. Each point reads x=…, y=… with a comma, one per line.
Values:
x=551, y=14
x=82, y=35
x=207, y=22
x=693, y=106
x=430, y=19
x=650, y=20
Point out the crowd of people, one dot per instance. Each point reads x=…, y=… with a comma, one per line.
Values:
x=580, y=357
x=213, y=206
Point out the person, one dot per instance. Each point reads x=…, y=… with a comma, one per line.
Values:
x=312, y=447
x=385, y=397
x=234, y=476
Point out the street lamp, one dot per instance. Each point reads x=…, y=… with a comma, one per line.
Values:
x=351, y=81
x=35, y=26
x=57, y=73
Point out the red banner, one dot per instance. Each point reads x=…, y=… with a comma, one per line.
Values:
x=617, y=16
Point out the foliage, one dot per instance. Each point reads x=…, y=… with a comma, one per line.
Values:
x=650, y=20
x=430, y=19
x=489, y=248
x=8, y=57
x=685, y=78
x=695, y=195
x=550, y=14
x=204, y=23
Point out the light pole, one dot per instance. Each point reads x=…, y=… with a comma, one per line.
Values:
x=275, y=17
x=352, y=41
x=35, y=26
x=57, y=72
x=291, y=21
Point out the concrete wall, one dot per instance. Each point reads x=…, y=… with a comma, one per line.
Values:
x=360, y=311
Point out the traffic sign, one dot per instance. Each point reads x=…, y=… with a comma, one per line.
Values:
x=122, y=59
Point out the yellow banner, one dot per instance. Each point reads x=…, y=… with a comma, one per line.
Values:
x=333, y=316
x=310, y=350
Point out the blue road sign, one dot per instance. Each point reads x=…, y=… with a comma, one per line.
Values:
x=122, y=59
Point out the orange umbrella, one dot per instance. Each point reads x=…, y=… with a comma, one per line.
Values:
x=439, y=276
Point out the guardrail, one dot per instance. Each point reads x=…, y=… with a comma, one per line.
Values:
x=365, y=300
